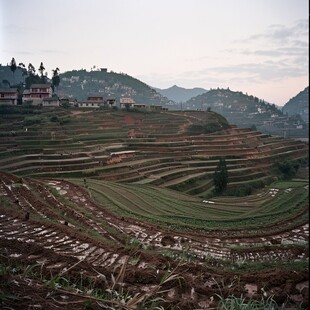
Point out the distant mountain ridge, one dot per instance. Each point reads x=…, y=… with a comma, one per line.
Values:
x=298, y=105
x=246, y=110
x=180, y=94
x=227, y=100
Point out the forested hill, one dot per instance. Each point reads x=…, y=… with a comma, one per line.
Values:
x=81, y=83
x=7, y=78
x=227, y=101
x=298, y=105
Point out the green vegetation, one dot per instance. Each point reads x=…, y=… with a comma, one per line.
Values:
x=88, y=290
x=109, y=84
x=241, y=303
x=298, y=105
x=180, y=211
x=220, y=177
x=287, y=169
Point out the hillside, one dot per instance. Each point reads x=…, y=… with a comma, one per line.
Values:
x=81, y=83
x=6, y=74
x=240, y=109
x=298, y=105
x=180, y=94
x=248, y=111
x=226, y=100
x=115, y=209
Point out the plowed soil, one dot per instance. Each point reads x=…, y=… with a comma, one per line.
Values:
x=58, y=248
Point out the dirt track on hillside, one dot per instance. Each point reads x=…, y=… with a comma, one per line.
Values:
x=62, y=249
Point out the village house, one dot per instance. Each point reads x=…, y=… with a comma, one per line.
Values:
x=86, y=104
x=37, y=93
x=158, y=108
x=110, y=103
x=51, y=102
x=126, y=103
x=9, y=96
x=129, y=103
x=26, y=96
x=67, y=101
x=138, y=106
x=92, y=102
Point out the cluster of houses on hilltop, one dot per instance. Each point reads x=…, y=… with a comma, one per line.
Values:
x=42, y=95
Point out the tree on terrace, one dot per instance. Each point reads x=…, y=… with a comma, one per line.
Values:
x=41, y=70
x=55, y=78
x=32, y=78
x=23, y=68
x=220, y=177
x=13, y=67
x=31, y=69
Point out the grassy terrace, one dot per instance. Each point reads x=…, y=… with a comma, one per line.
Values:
x=149, y=168
x=164, y=154
x=170, y=208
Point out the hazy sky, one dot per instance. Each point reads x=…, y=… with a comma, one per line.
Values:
x=256, y=46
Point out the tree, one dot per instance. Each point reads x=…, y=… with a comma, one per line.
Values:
x=41, y=70
x=220, y=177
x=32, y=78
x=31, y=69
x=55, y=78
x=13, y=66
x=288, y=169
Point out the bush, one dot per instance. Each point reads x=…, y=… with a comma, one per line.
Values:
x=32, y=120
x=220, y=177
x=54, y=118
x=287, y=169
x=206, y=128
x=64, y=120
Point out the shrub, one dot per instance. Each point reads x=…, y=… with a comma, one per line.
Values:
x=287, y=169
x=54, y=118
x=220, y=177
x=32, y=120
x=208, y=127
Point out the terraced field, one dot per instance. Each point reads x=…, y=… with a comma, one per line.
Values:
x=127, y=194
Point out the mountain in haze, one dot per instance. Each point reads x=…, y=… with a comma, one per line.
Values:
x=249, y=111
x=180, y=94
x=228, y=101
x=298, y=105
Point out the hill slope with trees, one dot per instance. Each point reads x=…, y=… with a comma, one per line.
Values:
x=81, y=83
x=249, y=111
x=298, y=105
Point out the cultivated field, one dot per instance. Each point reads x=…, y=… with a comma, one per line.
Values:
x=115, y=209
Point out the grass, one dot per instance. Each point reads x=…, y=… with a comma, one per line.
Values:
x=168, y=207
x=110, y=296
x=240, y=303
x=163, y=158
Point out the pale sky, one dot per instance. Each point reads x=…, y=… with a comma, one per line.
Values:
x=259, y=47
